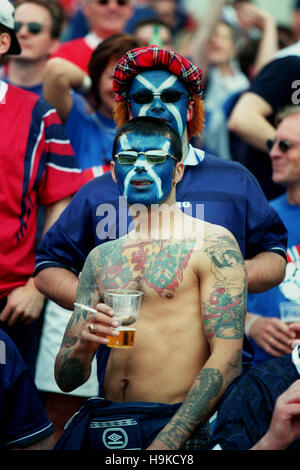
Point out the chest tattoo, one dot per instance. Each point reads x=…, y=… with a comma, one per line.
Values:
x=158, y=264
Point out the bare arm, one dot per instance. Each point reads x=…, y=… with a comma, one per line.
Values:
x=79, y=344
x=264, y=271
x=204, y=33
x=59, y=285
x=221, y=286
x=59, y=78
x=249, y=120
x=251, y=16
x=54, y=210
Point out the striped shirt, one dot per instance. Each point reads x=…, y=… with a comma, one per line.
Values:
x=37, y=167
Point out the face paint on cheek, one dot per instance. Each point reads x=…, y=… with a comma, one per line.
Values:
x=133, y=179
x=147, y=168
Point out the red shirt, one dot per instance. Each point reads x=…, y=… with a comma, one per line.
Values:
x=37, y=166
x=78, y=51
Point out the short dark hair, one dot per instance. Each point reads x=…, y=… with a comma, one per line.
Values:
x=113, y=47
x=56, y=12
x=152, y=22
x=147, y=125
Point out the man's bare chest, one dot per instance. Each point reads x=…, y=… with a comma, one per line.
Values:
x=157, y=265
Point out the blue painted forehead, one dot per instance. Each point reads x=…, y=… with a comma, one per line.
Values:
x=153, y=79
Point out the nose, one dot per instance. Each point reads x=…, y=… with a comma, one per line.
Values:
x=140, y=164
x=157, y=104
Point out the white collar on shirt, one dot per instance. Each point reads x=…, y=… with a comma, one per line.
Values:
x=194, y=156
x=92, y=40
x=3, y=91
x=296, y=357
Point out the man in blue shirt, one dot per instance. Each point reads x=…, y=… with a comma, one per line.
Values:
x=271, y=337
x=228, y=193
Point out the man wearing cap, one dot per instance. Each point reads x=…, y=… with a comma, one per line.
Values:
x=159, y=83
x=37, y=167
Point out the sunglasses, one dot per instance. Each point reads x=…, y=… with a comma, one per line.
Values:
x=283, y=144
x=119, y=2
x=147, y=96
x=129, y=157
x=33, y=27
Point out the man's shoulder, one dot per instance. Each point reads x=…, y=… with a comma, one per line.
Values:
x=215, y=163
x=101, y=189
x=23, y=96
x=18, y=97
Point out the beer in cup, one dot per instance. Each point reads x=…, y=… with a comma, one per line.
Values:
x=290, y=313
x=126, y=304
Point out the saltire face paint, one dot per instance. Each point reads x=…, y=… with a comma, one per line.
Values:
x=143, y=182
x=157, y=81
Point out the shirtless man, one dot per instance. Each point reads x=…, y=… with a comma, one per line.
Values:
x=190, y=329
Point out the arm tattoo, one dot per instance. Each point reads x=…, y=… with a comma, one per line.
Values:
x=225, y=307
x=194, y=409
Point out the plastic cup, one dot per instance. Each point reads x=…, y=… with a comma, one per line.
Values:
x=290, y=312
x=126, y=304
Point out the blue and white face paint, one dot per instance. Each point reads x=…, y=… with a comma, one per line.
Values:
x=158, y=81
x=143, y=182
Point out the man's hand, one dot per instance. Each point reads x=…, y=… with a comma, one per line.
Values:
x=85, y=332
x=271, y=334
x=24, y=305
x=285, y=424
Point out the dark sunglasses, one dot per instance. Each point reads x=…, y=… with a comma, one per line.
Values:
x=129, y=157
x=147, y=96
x=119, y=2
x=33, y=27
x=284, y=144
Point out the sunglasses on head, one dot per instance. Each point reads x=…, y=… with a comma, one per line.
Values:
x=129, y=157
x=33, y=27
x=283, y=144
x=147, y=96
x=119, y=2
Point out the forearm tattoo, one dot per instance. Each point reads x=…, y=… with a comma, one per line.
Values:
x=194, y=409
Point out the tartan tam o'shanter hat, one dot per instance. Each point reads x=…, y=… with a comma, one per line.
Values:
x=141, y=59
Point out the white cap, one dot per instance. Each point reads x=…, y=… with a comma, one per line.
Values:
x=7, y=19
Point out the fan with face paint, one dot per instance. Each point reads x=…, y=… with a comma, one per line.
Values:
x=143, y=182
x=166, y=99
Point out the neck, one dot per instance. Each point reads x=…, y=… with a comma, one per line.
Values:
x=158, y=221
x=26, y=73
x=225, y=69
x=293, y=195
x=108, y=113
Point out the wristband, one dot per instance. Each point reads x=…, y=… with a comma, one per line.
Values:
x=86, y=84
x=296, y=357
x=249, y=324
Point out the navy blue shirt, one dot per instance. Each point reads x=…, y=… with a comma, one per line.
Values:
x=226, y=191
x=23, y=420
x=246, y=410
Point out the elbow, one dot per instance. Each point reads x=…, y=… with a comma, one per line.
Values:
x=234, y=123
x=40, y=283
